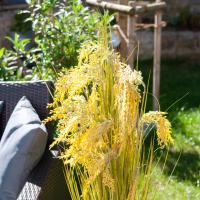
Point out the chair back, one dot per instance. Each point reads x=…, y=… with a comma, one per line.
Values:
x=39, y=94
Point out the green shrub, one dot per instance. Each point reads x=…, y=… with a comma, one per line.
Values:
x=13, y=61
x=60, y=29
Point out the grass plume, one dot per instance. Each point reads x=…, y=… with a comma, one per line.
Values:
x=97, y=105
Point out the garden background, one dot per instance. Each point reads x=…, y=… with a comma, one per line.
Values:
x=180, y=74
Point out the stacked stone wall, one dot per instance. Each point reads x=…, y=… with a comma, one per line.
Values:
x=6, y=20
x=7, y=14
x=174, y=44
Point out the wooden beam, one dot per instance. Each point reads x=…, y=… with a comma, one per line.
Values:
x=148, y=7
x=146, y=26
x=111, y=6
x=131, y=10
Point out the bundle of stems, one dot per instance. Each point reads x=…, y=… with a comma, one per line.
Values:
x=99, y=106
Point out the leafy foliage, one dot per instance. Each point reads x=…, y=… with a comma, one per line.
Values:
x=13, y=62
x=60, y=28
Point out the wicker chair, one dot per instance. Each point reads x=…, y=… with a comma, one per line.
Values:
x=46, y=181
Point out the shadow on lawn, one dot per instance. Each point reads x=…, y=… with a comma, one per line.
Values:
x=187, y=168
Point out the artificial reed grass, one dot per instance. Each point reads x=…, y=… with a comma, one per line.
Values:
x=99, y=107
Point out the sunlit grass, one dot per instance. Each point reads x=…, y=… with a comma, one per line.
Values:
x=174, y=189
x=187, y=128
x=178, y=78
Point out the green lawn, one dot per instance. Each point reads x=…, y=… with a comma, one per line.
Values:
x=180, y=80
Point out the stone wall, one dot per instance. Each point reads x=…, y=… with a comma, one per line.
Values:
x=6, y=20
x=7, y=13
x=174, y=44
x=175, y=6
x=183, y=13
x=181, y=36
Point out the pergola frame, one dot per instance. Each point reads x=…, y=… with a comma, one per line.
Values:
x=128, y=26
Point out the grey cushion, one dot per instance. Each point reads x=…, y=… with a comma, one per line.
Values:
x=21, y=147
x=1, y=106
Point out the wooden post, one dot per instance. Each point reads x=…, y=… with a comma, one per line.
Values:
x=122, y=21
x=157, y=55
x=131, y=35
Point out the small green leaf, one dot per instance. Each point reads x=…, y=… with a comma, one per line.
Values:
x=2, y=50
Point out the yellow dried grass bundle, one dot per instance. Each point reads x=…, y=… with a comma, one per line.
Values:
x=97, y=107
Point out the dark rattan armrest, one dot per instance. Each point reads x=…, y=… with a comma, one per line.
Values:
x=46, y=181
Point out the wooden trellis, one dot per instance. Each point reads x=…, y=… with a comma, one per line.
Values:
x=127, y=27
